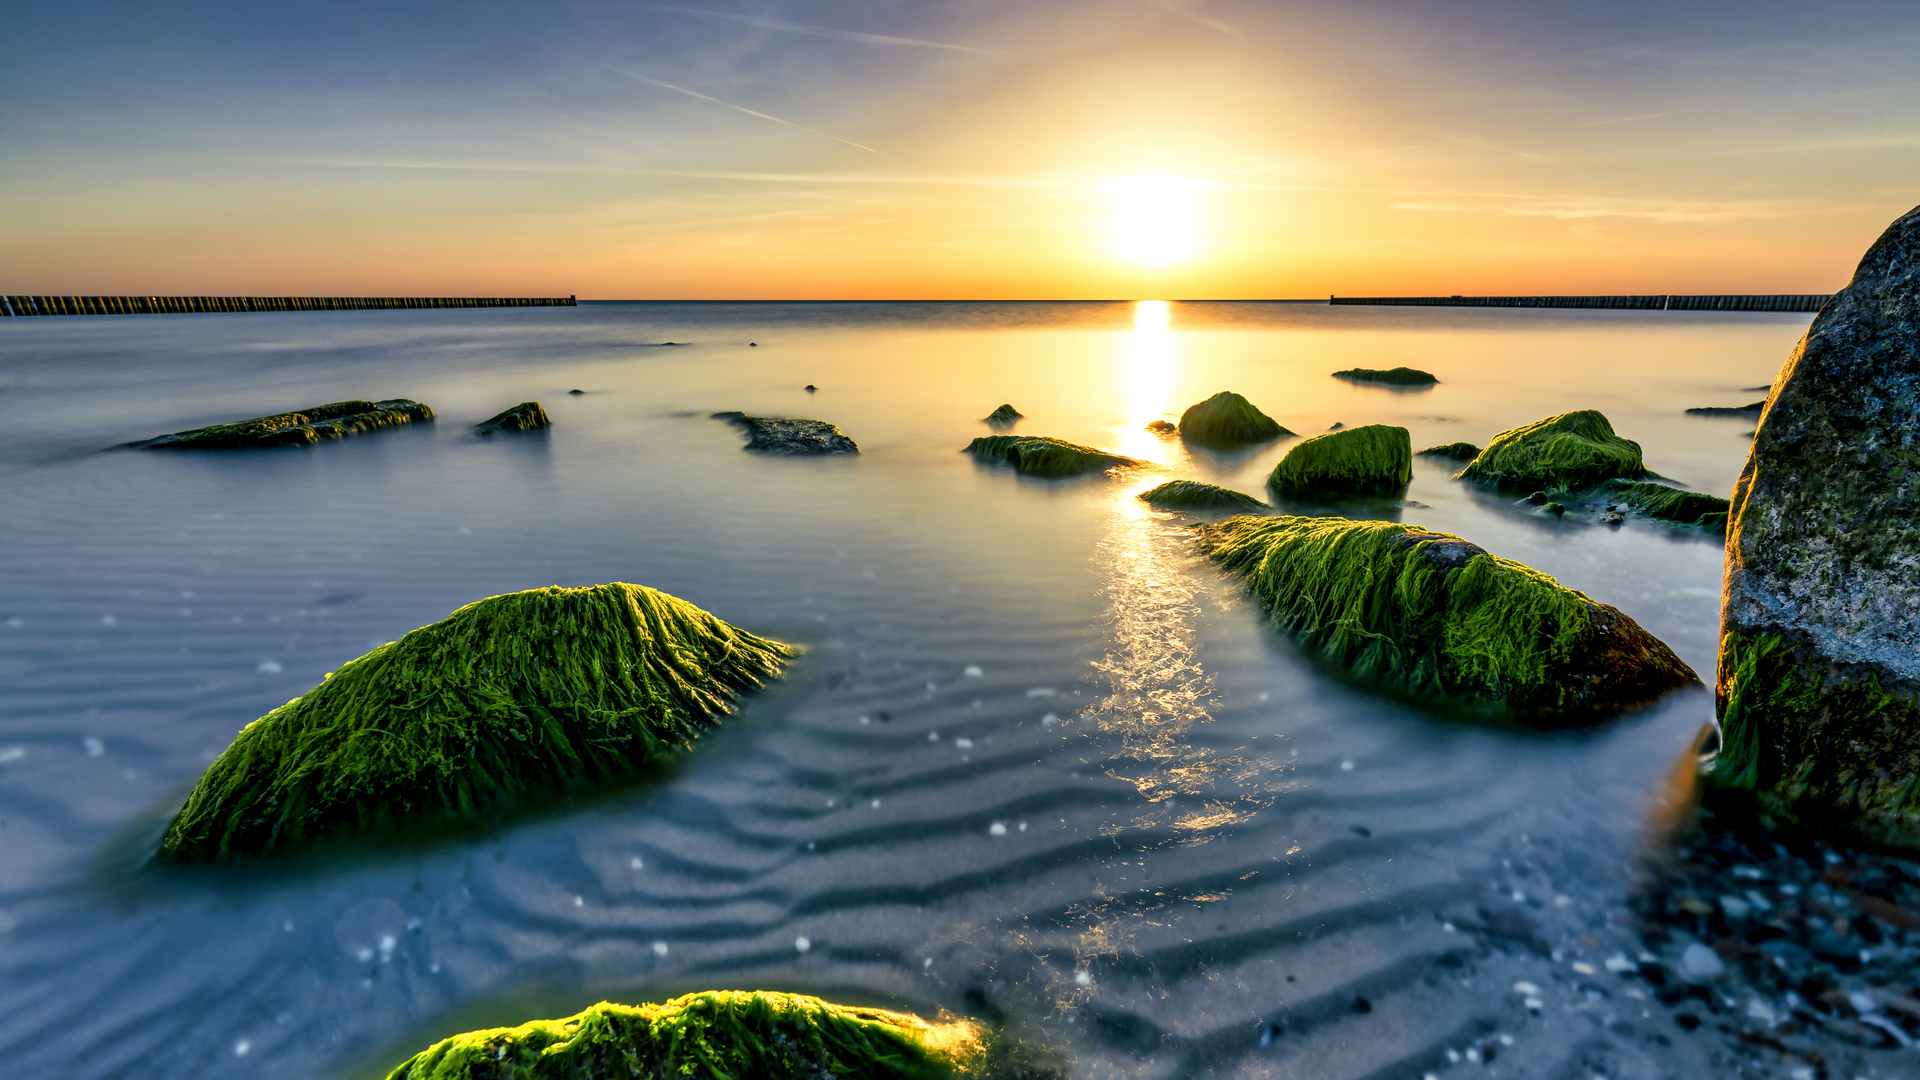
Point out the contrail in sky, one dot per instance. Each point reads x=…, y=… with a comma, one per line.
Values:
x=821, y=31
x=735, y=108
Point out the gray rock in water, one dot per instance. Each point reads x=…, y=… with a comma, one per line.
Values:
x=1701, y=964
x=526, y=416
x=781, y=435
x=1819, y=686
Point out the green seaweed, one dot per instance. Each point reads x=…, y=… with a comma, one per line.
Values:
x=715, y=1035
x=1567, y=452
x=1004, y=415
x=1822, y=746
x=511, y=695
x=1194, y=495
x=1453, y=451
x=1227, y=419
x=1430, y=614
x=1038, y=455
x=1400, y=376
x=526, y=416
x=1376, y=459
x=1668, y=504
x=302, y=427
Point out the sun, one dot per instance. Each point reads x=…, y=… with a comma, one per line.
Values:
x=1156, y=219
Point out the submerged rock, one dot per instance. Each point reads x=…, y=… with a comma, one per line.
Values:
x=1004, y=416
x=719, y=1033
x=1752, y=410
x=1433, y=615
x=781, y=435
x=302, y=427
x=512, y=695
x=1376, y=459
x=1565, y=453
x=1227, y=419
x=1400, y=376
x=526, y=416
x=1453, y=451
x=1668, y=504
x=1162, y=427
x=1819, y=689
x=1193, y=495
x=1037, y=455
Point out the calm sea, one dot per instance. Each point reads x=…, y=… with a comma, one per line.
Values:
x=1040, y=762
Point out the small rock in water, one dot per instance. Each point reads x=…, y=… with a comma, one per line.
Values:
x=575, y=393
x=1337, y=425
x=1162, y=427
x=526, y=416
x=781, y=435
x=811, y=388
x=1701, y=964
x=1538, y=498
x=1555, y=508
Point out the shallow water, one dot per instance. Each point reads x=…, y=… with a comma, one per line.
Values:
x=1040, y=761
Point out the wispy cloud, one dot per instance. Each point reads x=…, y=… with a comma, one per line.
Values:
x=764, y=23
x=1641, y=210
x=1185, y=11
x=736, y=108
x=1633, y=119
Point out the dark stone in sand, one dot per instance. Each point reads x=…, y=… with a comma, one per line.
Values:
x=1227, y=419
x=1736, y=410
x=303, y=427
x=1455, y=451
x=1004, y=416
x=526, y=416
x=1819, y=688
x=782, y=435
x=1400, y=376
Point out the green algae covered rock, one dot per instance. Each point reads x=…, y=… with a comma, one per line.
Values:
x=1376, y=459
x=1667, y=503
x=1400, y=376
x=716, y=1035
x=302, y=427
x=526, y=416
x=508, y=696
x=1193, y=495
x=1568, y=452
x=1227, y=419
x=1819, y=676
x=1004, y=416
x=1037, y=455
x=1432, y=615
x=1453, y=451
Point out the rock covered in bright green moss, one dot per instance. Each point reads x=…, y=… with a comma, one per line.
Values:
x=302, y=427
x=1038, y=455
x=1819, y=687
x=1453, y=451
x=1227, y=419
x=786, y=435
x=1567, y=452
x=513, y=695
x=1430, y=614
x=1375, y=459
x=716, y=1035
x=526, y=416
x=1400, y=376
x=1194, y=495
x=1004, y=416
x=1667, y=503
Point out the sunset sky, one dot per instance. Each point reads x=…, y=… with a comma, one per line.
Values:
x=952, y=148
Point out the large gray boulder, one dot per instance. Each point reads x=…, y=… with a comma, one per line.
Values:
x=1819, y=684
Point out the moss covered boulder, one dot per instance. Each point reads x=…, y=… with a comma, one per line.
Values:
x=1004, y=416
x=1376, y=459
x=1453, y=451
x=1819, y=684
x=526, y=416
x=1430, y=614
x=509, y=696
x=1037, y=455
x=1569, y=452
x=1194, y=495
x=1400, y=376
x=302, y=427
x=785, y=435
x=1667, y=503
x=1227, y=419
x=716, y=1035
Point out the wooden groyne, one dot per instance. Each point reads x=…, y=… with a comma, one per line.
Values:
x=174, y=305
x=1664, y=302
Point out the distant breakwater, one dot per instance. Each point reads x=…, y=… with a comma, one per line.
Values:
x=1735, y=302
x=179, y=305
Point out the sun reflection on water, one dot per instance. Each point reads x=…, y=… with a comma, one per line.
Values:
x=1149, y=360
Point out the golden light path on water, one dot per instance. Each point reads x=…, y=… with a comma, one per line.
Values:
x=1148, y=361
